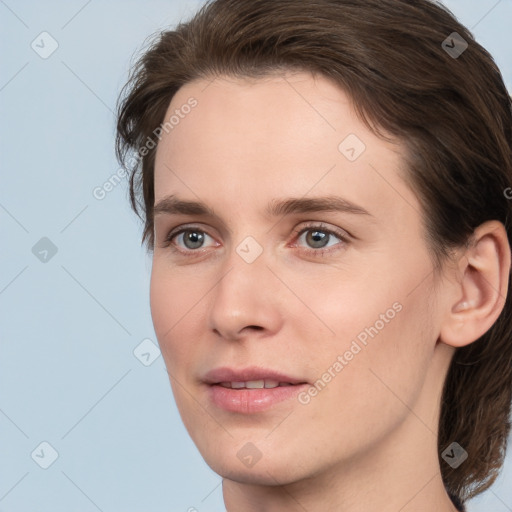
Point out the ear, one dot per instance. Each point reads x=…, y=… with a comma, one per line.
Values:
x=478, y=296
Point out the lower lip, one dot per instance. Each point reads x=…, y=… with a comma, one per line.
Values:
x=249, y=401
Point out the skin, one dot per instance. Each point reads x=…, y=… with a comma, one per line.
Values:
x=368, y=440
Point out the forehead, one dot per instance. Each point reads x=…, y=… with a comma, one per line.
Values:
x=248, y=139
x=277, y=112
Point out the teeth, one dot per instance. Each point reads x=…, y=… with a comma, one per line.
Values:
x=255, y=384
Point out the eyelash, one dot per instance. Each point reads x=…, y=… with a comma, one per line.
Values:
x=341, y=235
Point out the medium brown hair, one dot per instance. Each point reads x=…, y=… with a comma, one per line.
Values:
x=452, y=113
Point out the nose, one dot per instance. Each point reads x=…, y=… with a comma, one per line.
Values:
x=246, y=301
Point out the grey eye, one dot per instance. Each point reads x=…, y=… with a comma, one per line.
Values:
x=317, y=239
x=191, y=238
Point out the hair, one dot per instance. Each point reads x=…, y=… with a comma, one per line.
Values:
x=452, y=114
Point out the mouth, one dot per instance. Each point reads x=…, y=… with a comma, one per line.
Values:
x=255, y=384
x=250, y=390
x=252, y=377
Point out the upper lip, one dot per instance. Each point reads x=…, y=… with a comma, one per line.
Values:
x=226, y=374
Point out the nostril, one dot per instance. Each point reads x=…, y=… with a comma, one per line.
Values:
x=237, y=334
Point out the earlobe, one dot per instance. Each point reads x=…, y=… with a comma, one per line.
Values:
x=479, y=293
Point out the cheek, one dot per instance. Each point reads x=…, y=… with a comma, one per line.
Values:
x=381, y=338
x=385, y=342
x=174, y=311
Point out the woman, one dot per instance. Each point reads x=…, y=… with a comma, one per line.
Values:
x=324, y=191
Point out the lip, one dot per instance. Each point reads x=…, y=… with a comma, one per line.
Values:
x=227, y=374
x=250, y=401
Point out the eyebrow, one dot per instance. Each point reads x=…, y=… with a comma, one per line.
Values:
x=171, y=205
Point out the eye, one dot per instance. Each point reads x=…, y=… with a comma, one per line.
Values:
x=319, y=239
x=315, y=239
x=190, y=239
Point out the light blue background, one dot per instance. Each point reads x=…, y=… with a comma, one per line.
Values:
x=68, y=327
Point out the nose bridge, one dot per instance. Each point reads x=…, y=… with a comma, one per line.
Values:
x=245, y=266
x=243, y=296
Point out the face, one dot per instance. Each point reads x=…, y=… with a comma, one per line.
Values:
x=303, y=263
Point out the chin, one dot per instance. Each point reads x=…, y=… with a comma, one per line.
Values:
x=266, y=471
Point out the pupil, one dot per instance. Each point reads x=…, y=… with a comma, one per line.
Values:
x=317, y=238
x=193, y=239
